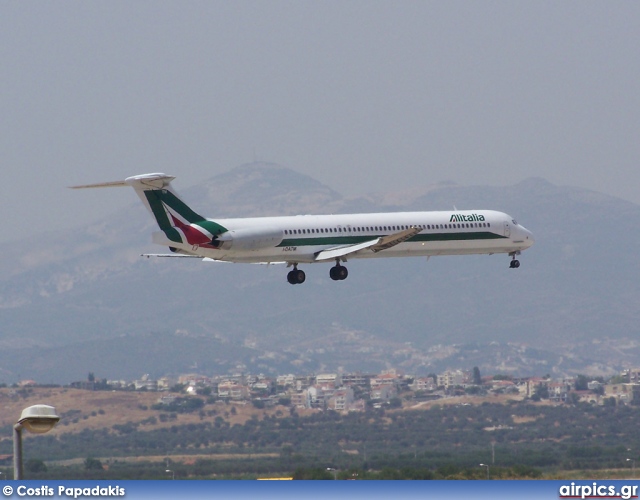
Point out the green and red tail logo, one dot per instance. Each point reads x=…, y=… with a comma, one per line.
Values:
x=179, y=222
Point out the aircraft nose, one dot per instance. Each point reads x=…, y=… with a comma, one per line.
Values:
x=528, y=237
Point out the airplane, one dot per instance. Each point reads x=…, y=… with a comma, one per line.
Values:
x=308, y=239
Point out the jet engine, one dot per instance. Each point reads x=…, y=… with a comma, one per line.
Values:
x=249, y=239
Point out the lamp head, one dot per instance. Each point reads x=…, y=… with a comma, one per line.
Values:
x=39, y=419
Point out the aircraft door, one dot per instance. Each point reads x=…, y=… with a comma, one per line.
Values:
x=507, y=229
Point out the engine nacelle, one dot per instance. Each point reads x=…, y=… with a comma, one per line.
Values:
x=250, y=239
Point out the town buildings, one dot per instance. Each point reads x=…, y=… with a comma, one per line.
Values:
x=356, y=391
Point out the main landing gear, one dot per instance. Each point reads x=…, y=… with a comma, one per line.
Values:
x=297, y=276
x=515, y=263
x=337, y=273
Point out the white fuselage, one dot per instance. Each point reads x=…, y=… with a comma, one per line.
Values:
x=299, y=239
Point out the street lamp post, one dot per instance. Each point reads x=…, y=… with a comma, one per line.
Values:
x=37, y=419
x=487, y=466
x=335, y=472
x=633, y=464
x=173, y=473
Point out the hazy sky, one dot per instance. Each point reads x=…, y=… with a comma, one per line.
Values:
x=362, y=95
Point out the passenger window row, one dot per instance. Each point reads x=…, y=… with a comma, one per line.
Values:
x=370, y=229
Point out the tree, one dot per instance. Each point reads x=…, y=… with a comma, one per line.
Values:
x=582, y=383
x=573, y=398
x=93, y=464
x=35, y=465
x=395, y=403
x=541, y=391
x=477, y=379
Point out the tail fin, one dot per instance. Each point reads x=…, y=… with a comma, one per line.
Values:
x=179, y=223
x=161, y=200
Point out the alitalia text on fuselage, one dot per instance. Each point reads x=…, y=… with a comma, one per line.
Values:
x=466, y=218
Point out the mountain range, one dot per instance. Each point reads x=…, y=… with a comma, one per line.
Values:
x=83, y=300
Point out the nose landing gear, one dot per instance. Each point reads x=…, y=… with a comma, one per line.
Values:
x=515, y=263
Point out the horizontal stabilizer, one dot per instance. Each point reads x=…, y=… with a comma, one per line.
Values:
x=144, y=182
x=101, y=185
x=174, y=255
x=203, y=259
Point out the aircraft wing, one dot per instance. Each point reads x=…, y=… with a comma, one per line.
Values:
x=394, y=239
x=334, y=253
x=376, y=245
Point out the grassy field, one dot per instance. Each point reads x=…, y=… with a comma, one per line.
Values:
x=83, y=409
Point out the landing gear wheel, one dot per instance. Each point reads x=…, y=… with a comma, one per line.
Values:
x=342, y=273
x=338, y=273
x=296, y=277
x=515, y=263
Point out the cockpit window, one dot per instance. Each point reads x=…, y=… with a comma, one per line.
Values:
x=514, y=222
